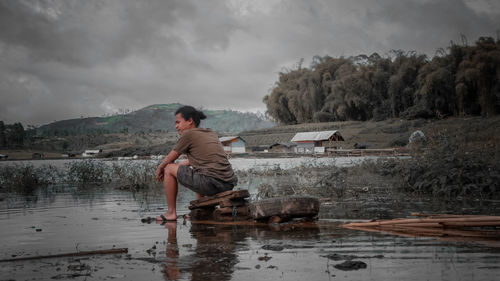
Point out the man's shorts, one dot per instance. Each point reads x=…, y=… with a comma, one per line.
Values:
x=202, y=184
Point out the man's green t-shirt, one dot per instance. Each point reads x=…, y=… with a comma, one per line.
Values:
x=205, y=153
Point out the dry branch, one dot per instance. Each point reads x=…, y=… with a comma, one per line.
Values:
x=76, y=254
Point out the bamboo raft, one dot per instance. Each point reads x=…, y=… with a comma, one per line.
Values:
x=472, y=228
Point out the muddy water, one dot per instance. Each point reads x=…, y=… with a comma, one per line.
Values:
x=97, y=218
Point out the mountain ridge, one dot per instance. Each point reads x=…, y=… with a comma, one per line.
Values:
x=156, y=117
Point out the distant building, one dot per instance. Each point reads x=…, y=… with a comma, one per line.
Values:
x=37, y=155
x=268, y=142
x=282, y=147
x=316, y=142
x=233, y=144
x=91, y=152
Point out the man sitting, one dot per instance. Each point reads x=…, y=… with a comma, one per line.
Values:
x=206, y=171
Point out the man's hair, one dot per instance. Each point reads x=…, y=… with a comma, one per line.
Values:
x=188, y=111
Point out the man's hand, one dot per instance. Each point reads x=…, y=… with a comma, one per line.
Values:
x=160, y=173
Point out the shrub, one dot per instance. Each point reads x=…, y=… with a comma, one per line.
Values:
x=26, y=178
x=447, y=168
x=88, y=171
x=134, y=174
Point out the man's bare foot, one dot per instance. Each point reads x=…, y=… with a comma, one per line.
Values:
x=167, y=217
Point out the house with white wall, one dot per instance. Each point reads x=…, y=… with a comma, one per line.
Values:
x=233, y=144
x=316, y=142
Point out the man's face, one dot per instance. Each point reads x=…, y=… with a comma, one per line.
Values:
x=182, y=124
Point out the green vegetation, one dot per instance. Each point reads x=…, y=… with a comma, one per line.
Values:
x=25, y=179
x=447, y=167
x=462, y=81
x=11, y=135
x=135, y=174
x=88, y=171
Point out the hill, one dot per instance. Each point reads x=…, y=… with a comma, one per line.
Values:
x=153, y=118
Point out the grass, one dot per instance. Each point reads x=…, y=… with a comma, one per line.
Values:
x=26, y=179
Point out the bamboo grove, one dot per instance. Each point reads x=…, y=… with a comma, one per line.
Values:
x=460, y=80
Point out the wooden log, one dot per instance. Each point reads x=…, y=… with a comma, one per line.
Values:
x=274, y=219
x=214, y=200
x=243, y=210
x=229, y=217
x=287, y=206
x=226, y=214
x=202, y=213
x=76, y=254
x=223, y=217
x=233, y=202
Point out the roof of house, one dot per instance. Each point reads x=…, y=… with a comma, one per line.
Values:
x=287, y=144
x=267, y=139
x=231, y=138
x=315, y=136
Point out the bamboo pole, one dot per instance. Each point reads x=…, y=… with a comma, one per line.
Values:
x=441, y=232
x=471, y=224
x=76, y=254
x=444, y=224
x=488, y=238
x=441, y=215
x=429, y=220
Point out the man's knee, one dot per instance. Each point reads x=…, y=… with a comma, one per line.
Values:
x=171, y=169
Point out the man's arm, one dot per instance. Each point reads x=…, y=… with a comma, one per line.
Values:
x=170, y=158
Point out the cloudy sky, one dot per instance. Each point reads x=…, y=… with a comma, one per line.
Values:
x=70, y=58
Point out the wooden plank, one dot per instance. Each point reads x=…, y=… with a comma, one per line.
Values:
x=218, y=195
x=214, y=200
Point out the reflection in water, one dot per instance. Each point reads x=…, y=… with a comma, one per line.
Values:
x=218, y=247
x=214, y=257
x=171, y=270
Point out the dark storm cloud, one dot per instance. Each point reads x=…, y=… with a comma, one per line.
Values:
x=88, y=32
x=64, y=59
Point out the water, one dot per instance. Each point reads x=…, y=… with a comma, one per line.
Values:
x=101, y=217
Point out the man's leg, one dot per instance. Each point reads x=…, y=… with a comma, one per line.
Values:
x=170, y=184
